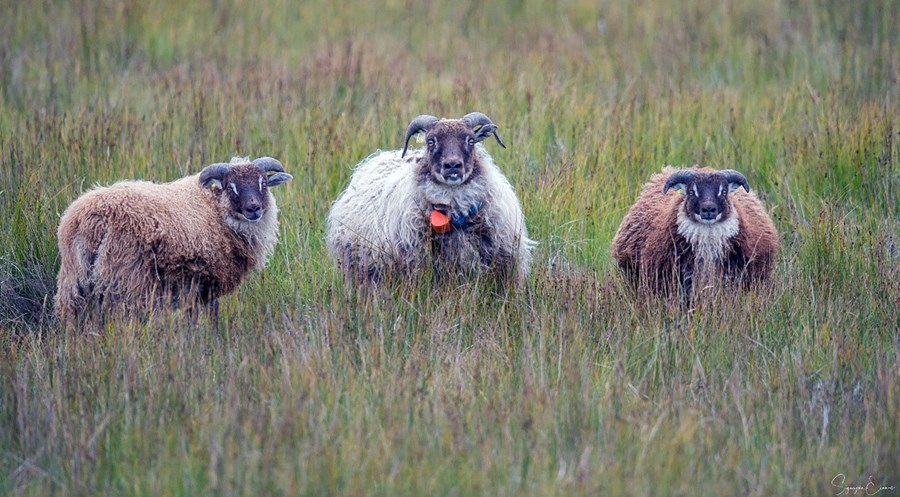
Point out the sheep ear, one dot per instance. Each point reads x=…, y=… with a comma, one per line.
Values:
x=486, y=131
x=735, y=180
x=679, y=180
x=278, y=178
x=211, y=176
x=674, y=186
x=486, y=127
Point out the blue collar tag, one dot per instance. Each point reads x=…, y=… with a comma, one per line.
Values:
x=460, y=220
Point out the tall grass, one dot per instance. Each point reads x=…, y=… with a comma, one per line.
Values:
x=569, y=387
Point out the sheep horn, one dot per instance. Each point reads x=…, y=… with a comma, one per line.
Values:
x=473, y=119
x=213, y=173
x=735, y=179
x=679, y=179
x=420, y=123
x=269, y=164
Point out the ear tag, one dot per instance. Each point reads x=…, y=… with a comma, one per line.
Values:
x=216, y=185
x=440, y=222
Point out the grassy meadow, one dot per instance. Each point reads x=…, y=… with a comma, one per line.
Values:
x=570, y=386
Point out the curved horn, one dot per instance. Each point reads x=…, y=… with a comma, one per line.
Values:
x=473, y=119
x=735, y=180
x=269, y=164
x=213, y=173
x=420, y=123
x=679, y=179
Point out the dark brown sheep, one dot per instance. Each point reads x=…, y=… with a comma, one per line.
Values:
x=710, y=231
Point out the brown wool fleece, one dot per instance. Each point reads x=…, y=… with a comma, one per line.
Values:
x=129, y=244
x=653, y=255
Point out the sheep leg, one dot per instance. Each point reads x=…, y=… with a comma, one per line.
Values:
x=192, y=313
x=687, y=283
x=92, y=319
x=213, y=309
x=748, y=271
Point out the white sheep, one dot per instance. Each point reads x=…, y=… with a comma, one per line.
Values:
x=447, y=206
x=135, y=245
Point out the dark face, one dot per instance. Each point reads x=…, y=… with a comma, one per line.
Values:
x=449, y=146
x=246, y=187
x=706, y=199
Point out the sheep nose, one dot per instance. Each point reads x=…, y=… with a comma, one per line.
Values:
x=252, y=212
x=709, y=211
x=453, y=165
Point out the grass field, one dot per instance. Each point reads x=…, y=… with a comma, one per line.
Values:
x=570, y=387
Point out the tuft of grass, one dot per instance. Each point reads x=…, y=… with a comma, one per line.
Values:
x=569, y=386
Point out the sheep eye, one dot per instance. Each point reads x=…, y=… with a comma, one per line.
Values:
x=470, y=140
x=431, y=142
x=694, y=191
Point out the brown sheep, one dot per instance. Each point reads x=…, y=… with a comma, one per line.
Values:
x=695, y=238
x=136, y=245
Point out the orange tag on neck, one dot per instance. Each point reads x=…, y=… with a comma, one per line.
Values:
x=440, y=222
